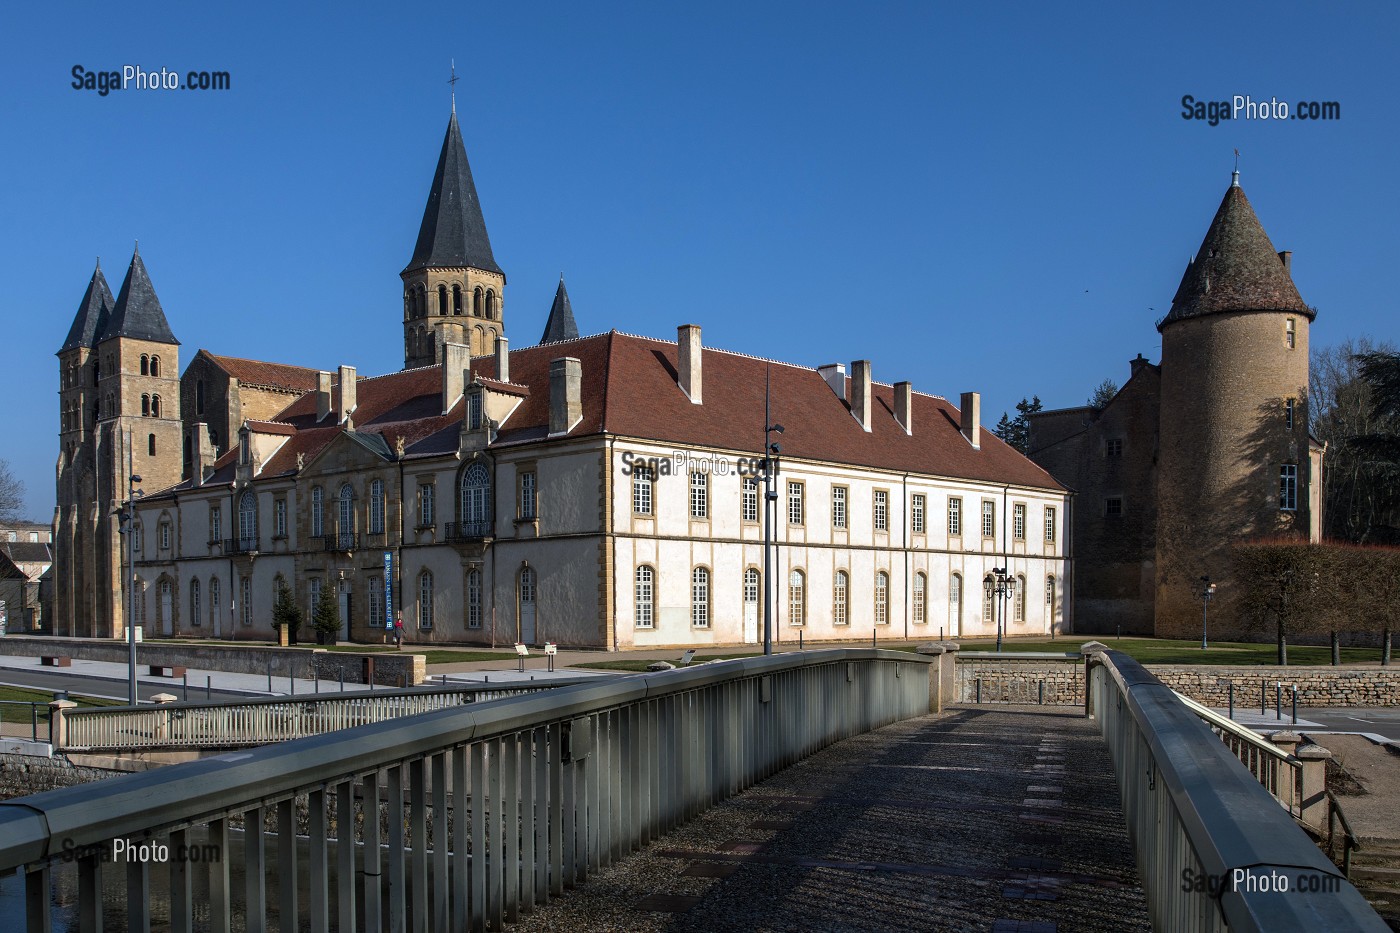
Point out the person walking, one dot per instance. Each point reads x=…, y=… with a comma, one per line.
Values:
x=398, y=632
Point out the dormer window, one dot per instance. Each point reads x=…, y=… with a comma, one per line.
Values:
x=245, y=454
x=474, y=409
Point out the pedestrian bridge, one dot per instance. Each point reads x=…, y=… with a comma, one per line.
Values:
x=828, y=789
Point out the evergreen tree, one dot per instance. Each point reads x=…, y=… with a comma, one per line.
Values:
x=285, y=610
x=1017, y=431
x=1103, y=394
x=325, y=618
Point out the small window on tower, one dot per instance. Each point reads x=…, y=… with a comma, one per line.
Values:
x=1290, y=333
x=145, y=365
x=155, y=366
x=1288, y=413
x=1114, y=447
x=151, y=445
x=1113, y=506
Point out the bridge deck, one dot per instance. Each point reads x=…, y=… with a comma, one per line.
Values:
x=984, y=818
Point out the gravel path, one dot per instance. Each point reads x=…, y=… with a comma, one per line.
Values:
x=985, y=818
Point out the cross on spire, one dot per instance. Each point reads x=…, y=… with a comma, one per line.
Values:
x=453, y=81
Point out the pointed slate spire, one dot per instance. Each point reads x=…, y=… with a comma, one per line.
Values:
x=453, y=234
x=1236, y=268
x=561, y=325
x=91, y=319
x=137, y=312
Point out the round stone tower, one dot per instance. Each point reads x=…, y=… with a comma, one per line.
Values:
x=1234, y=459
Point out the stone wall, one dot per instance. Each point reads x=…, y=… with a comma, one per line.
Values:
x=391, y=669
x=1012, y=679
x=22, y=775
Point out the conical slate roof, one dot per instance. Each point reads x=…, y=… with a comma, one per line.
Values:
x=91, y=319
x=453, y=233
x=1236, y=269
x=561, y=324
x=137, y=312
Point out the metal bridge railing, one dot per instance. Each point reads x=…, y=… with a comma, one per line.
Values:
x=262, y=720
x=456, y=819
x=1214, y=849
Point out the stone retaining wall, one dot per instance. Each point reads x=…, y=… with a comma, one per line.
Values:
x=391, y=669
x=22, y=775
x=1020, y=680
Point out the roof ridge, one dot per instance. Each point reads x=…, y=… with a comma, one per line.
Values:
x=249, y=359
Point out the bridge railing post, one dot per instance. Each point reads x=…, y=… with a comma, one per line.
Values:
x=1313, y=803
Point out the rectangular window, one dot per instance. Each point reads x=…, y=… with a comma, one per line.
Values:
x=245, y=600
x=425, y=505
x=796, y=513
x=920, y=598
x=474, y=411
x=1113, y=506
x=216, y=523
x=1113, y=447
x=955, y=517
x=474, y=613
x=839, y=599
x=642, y=479
x=165, y=536
x=700, y=598
x=376, y=600
x=916, y=514
x=1050, y=524
x=838, y=506
x=1288, y=414
x=989, y=518
x=527, y=495
x=750, y=499
x=1288, y=487
x=1290, y=333
x=279, y=518
x=376, y=507
x=882, y=510
x=644, y=610
x=1018, y=521
x=699, y=495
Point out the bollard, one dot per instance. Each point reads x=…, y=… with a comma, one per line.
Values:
x=1232, y=699
x=292, y=684
x=1336, y=650
x=1295, y=704
x=1278, y=699
x=342, y=679
x=316, y=678
x=872, y=638
x=979, y=689
x=1263, y=701
x=799, y=640
x=1042, y=693
x=208, y=687
x=34, y=721
x=185, y=686
x=269, y=676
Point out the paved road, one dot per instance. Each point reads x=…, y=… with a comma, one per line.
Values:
x=998, y=819
x=108, y=688
x=1381, y=722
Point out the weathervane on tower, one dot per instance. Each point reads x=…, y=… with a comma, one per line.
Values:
x=454, y=79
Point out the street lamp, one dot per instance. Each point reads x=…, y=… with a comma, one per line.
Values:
x=1004, y=587
x=770, y=505
x=1205, y=593
x=129, y=529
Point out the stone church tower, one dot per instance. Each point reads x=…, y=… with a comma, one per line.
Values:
x=453, y=290
x=120, y=416
x=1235, y=459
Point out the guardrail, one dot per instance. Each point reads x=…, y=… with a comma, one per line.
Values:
x=1277, y=771
x=262, y=720
x=524, y=796
x=1214, y=849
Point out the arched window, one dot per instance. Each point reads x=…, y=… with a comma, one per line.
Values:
x=474, y=613
x=138, y=591
x=314, y=591
x=145, y=365
x=882, y=598
x=247, y=521
x=920, y=598
x=955, y=604
x=195, y=618
x=155, y=406
x=376, y=507
x=989, y=594
x=797, y=598
x=442, y=300
x=474, y=506
x=1020, y=599
x=213, y=600
x=155, y=366
x=425, y=599
x=151, y=445
x=346, y=518
x=477, y=308
x=840, y=599
x=751, y=592
x=318, y=512
x=1050, y=601
x=456, y=299
x=644, y=608
x=700, y=597
x=145, y=406
x=490, y=305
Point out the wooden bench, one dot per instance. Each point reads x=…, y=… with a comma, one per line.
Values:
x=167, y=670
x=55, y=660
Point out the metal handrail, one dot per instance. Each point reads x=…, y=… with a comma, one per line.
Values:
x=1350, y=841
x=1235, y=729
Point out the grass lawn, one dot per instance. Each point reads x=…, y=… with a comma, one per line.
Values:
x=11, y=712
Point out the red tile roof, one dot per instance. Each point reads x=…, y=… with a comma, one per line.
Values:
x=270, y=375
x=629, y=388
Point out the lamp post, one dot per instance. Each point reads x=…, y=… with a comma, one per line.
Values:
x=129, y=529
x=1205, y=593
x=770, y=504
x=1004, y=586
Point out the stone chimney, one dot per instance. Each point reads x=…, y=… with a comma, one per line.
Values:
x=202, y=454
x=860, y=392
x=565, y=394
x=347, y=393
x=323, y=395
x=688, y=360
x=835, y=376
x=972, y=419
x=502, y=358
x=1286, y=257
x=904, y=406
x=1137, y=365
x=456, y=362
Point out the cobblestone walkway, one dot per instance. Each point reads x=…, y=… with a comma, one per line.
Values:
x=1002, y=819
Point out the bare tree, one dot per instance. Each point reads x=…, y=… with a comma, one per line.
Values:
x=11, y=493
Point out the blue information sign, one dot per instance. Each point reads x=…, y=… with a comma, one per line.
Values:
x=389, y=589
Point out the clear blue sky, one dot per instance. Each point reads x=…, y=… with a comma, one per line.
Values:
x=996, y=197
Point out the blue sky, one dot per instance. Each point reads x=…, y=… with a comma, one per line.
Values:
x=990, y=197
